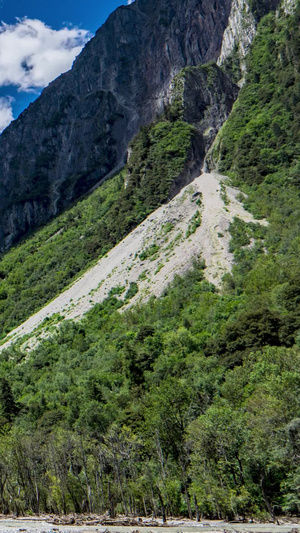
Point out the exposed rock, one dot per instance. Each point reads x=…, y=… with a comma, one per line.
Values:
x=207, y=96
x=195, y=223
x=77, y=132
x=289, y=6
x=239, y=33
x=241, y=29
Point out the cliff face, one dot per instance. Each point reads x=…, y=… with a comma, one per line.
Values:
x=205, y=96
x=77, y=132
x=239, y=33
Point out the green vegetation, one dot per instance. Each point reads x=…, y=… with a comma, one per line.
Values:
x=117, y=291
x=232, y=65
x=146, y=401
x=187, y=405
x=223, y=194
x=38, y=269
x=143, y=275
x=159, y=267
x=242, y=233
x=176, y=108
x=259, y=148
x=260, y=8
x=167, y=227
x=149, y=252
x=132, y=291
x=195, y=222
x=159, y=155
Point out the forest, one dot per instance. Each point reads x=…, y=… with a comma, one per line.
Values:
x=188, y=405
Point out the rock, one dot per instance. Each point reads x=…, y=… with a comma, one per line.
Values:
x=77, y=131
x=207, y=98
x=239, y=33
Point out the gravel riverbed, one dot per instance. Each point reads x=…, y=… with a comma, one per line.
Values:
x=35, y=525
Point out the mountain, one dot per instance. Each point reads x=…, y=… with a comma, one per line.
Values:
x=164, y=156
x=166, y=383
x=77, y=132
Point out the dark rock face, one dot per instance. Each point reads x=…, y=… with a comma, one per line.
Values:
x=78, y=131
x=207, y=96
x=260, y=8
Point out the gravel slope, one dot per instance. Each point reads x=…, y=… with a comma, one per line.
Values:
x=165, y=244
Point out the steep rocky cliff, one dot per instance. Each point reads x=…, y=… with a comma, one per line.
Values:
x=77, y=132
x=203, y=96
x=239, y=33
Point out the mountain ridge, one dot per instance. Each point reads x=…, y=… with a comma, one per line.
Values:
x=78, y=130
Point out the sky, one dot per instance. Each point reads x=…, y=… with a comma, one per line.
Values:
x=39, y=39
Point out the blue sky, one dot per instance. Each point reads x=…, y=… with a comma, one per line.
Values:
x=39, y=39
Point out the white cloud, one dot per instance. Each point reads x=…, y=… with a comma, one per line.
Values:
x=130, y=2
x=33, y=54
x=6, y=113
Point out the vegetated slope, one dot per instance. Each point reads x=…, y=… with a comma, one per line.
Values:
x=188, y=404
x=259, y=147
x=164, y=156
x=194, y=225
x=108, y=397
x=78, y=130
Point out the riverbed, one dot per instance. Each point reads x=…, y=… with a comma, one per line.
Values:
x=35, y=525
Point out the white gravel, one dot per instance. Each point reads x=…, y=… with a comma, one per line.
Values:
x=176, y=526
x=166, y=228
